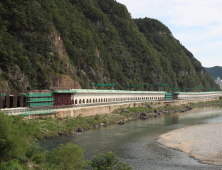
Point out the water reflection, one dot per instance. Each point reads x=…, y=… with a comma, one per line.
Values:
x=135, y=143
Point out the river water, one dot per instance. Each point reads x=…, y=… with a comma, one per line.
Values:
x=134, y=142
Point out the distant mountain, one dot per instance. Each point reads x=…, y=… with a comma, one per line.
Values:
x=215, y=72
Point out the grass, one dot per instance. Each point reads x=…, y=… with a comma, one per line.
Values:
x=48, y=127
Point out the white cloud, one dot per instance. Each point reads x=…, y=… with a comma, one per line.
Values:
x=187, y=13
x=196, y=24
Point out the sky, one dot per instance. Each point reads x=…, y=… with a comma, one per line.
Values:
x=197, y=24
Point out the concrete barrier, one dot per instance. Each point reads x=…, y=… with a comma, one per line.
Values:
x=109, y=108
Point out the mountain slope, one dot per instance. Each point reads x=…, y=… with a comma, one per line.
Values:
x=215, y=72
x=47, y=43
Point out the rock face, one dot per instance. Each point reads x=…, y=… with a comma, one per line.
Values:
x=63, y=80
x=67, y=81
x=19, y=79
x=4, y=87
x=58, y=44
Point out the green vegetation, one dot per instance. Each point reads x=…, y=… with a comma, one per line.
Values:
x=209, y=103
x=102, y=45
x=107, y=161
x=139, y=109
x=19, y=150
x=215, y=72
x=68, y=156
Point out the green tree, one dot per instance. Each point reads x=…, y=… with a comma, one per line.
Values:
x=67, y=156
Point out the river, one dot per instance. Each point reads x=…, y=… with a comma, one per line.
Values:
x=134, y=142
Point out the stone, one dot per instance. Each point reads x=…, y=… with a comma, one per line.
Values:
x=62, y=133
x=189, y=107
x=149, y=106
x=101, y=124
x=155, y=111
x=80, y=129
x=74, y=133
x=120, y=123
x=143, y=116
x=125, y=111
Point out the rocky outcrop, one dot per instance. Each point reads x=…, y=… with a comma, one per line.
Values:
x=90, y=73
x=4, y=87
x=67, y=82
x=125, y=111
x=58, y=44
x=19, y=78
x=101, y=25
x=64, y=80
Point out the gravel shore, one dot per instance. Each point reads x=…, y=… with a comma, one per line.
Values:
x=202, y=142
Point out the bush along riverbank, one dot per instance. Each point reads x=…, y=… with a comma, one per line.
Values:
x=19, y=150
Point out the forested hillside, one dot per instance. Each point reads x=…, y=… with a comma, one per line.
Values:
x=76, y=43
x=215, y=72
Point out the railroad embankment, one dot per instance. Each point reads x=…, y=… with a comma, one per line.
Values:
x=49, y=127
x=87, y=110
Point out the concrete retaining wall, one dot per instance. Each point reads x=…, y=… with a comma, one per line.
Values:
x=106, y=109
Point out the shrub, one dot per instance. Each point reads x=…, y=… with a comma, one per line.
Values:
x=104, y=121
x=67, y=156
x=13, y=140
x=13, y=165
x=97, y=117
x=107, y=161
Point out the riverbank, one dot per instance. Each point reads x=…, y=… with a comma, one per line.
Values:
x=202, y=142
x=47, y=127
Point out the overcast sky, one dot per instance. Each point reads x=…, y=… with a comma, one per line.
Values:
x=197, y=24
